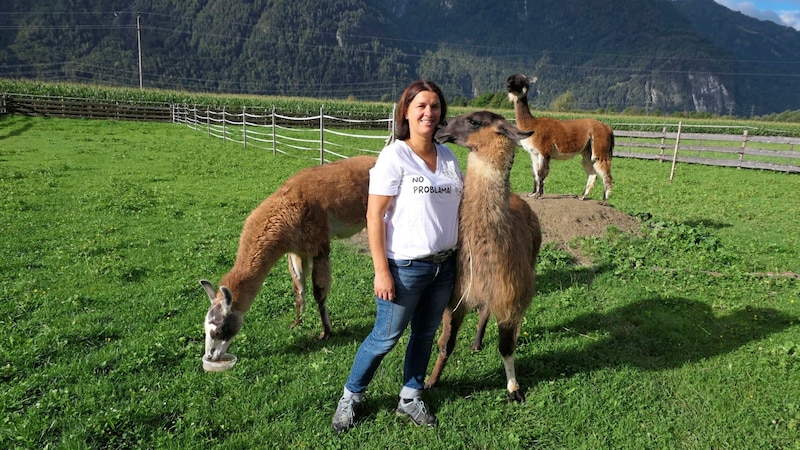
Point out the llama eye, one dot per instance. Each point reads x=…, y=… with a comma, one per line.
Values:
x=474, y=123
x=222, y=332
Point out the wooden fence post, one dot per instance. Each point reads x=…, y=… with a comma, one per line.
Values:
x=274, y=136
x=663, y=140
x=744, y=144
x=391, y=124
x=675, y=153
x=244, y=126
x=208, y=121
x=321, y=136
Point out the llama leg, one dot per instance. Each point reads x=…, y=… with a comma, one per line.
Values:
x=451, y=322
x=536, y=172
x=298, y=272
x=477, y=344
x=588, y=167
x=321, y=281
x=603, y=167
x=542, y=169
x=507, y=344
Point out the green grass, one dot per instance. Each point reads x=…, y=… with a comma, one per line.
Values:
x=675, y=338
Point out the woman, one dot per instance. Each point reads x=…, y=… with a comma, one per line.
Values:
x=412, y=226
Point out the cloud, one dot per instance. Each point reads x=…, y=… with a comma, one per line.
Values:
x=789, y=18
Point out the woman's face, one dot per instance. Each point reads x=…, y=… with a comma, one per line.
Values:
x=424, y=113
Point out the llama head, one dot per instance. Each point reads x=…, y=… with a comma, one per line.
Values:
x=222, y=322
x=481, y=131
x=517, y=87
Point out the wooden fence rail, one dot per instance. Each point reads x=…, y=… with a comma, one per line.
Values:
x=30, y=105
x=776, y=153
x=276, y=132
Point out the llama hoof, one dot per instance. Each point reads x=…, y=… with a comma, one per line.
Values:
x=516, y=396
x=535, y=195
x=324, y=336
x=477, y=347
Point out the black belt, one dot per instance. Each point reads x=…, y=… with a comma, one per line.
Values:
x=437, y=258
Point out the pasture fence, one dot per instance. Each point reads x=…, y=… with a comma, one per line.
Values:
x=82, y=108
x=325, y=136
x=777, y=153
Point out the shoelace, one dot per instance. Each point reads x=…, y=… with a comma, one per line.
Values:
x=421, y=409
x=349, y=411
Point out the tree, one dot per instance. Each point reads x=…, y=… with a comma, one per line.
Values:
x=564, y=102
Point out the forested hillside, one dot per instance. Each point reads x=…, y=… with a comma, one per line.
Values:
x=647, y=55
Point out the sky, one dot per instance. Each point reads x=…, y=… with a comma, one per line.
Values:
x=783, y=12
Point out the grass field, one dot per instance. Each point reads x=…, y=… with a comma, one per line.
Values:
x=685, y=335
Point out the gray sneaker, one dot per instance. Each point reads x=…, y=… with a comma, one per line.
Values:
x=345, y=415
x=417, y=411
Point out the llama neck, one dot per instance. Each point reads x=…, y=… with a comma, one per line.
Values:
x=522, y=112
x=259, y=249
x=486, y=188
x=245, y=281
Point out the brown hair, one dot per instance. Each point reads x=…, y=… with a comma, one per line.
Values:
x=400, y=122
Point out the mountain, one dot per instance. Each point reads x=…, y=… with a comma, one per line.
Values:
x=682, y=55
x=767, y=54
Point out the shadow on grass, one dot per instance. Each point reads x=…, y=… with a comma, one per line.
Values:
x=651, y=334
x=711, y=224
x=342, y=336
x=16, y=131
x=557, y=279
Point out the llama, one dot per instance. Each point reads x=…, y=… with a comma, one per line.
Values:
x=498, y=241
x=561, y=139
x=299, y=219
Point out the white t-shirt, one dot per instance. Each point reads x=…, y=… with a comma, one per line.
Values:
x=422, y=219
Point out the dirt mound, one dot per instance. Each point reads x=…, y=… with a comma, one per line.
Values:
x=564, y=217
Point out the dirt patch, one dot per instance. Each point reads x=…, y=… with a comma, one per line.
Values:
x=563, y=218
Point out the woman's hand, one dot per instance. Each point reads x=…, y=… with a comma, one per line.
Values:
x=384, y=286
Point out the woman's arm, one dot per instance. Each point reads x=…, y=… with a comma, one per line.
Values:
x=377, y=205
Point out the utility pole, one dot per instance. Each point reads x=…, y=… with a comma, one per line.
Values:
x=139, y=41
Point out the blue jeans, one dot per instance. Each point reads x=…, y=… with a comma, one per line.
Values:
x=422, y=290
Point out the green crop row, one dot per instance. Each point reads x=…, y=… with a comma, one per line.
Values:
x=338, y=107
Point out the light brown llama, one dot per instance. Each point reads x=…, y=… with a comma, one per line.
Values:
x=498, y=240
x=562, y=139
x=299, y=219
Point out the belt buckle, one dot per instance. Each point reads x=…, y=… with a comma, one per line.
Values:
x=441, y=256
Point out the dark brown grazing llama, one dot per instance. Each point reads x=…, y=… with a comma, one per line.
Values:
x=498, y=240
x=299, y=219
x=561, y=139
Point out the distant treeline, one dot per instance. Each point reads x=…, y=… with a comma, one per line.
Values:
x=784, y=124
x=651, y=57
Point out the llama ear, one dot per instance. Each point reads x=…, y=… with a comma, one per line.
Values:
x=210, y=290
x=227, y=297
x=513, y=133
